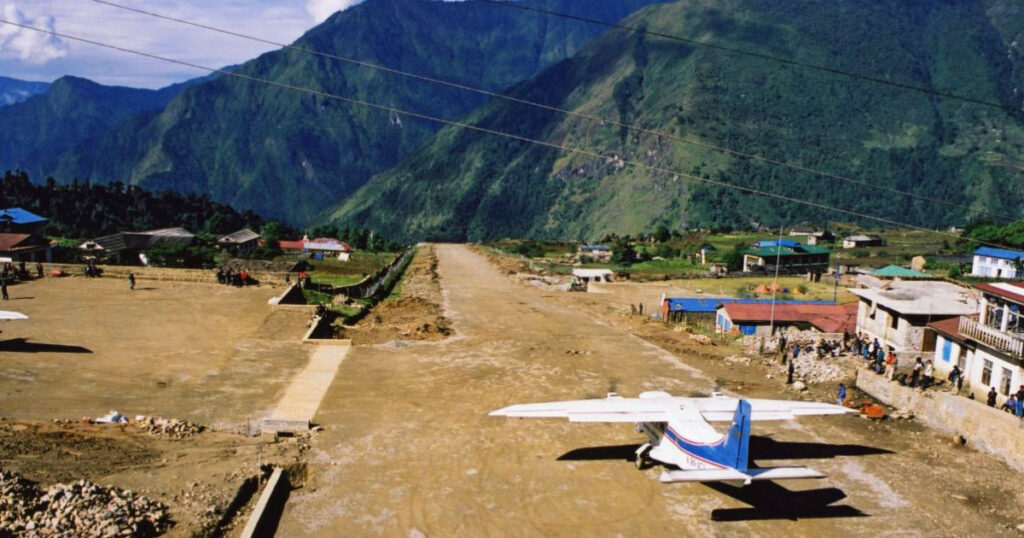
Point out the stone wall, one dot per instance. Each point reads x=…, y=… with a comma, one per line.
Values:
x=985, y=428
x=166, y=274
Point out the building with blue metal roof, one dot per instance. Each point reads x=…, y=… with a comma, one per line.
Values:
x=992, y=262
x=695, y=309
x=15, y=220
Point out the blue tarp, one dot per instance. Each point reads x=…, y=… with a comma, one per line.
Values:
x=710, y=304
x=777, y=242
x=20, y=216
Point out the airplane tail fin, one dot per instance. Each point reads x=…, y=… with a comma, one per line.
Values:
x=736, y=448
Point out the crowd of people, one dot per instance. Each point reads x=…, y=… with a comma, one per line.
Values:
x=230, y=277
x=9, y=273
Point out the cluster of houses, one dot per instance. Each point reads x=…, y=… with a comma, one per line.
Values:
x=22, y=237
x=979, y=328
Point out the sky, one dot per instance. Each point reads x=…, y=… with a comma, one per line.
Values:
x=30, y=55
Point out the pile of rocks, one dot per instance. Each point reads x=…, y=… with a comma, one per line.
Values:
x=814, y=370
x=167, y=427
x=78, y=509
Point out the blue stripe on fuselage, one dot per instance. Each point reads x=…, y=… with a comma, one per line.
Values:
x=711, y=453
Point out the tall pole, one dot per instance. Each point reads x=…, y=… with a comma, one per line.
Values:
x=775, y=285
x=835, y=285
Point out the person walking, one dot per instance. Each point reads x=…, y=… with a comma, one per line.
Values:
x=841, y=394
x=131, y=280
x=954, y=375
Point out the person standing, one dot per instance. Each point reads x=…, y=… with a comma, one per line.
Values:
x=131, y=280
x=782, y=347
x=39, y=270
x=915, y=375
x=991, y=397
x=3, y=288
x=841, y=394
x=789, y=377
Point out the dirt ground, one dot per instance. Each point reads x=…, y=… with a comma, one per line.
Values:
x=210, y=354
x=410, y=451
x=414, y=315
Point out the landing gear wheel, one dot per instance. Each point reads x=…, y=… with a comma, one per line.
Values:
x=642, y=462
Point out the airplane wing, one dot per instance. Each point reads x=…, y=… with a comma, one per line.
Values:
x=6, y=315
x=604, y=410
x=660, y=409
x=722, y=409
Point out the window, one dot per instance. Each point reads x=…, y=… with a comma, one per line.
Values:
x=894, y=321
x=986, y=373
x=1004, y=383
x=947, y=349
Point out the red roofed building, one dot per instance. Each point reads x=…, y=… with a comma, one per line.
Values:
x=15, y=247
x=761, y=319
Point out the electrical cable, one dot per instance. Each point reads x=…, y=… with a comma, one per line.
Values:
x=469, y=127
x=567, y=112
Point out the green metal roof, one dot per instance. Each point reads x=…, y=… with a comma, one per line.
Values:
x=799, y=250
x=895, y=271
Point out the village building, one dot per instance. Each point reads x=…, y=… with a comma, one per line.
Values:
x=859, y=241
x=998, y=263
x=242, y=242
x=702, y=310
x=790, y=256
x=895, y=271
x=987, y=345
x=129, y=248
x=23, y=237
x=327, y=246
x=812, y=235
x=597, y=253
x=898, y=312
x=762, y=319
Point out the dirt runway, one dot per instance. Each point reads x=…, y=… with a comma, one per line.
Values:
x=410, y=451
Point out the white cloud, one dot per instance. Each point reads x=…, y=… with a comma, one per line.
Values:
x=321, y=9
x=29, y=46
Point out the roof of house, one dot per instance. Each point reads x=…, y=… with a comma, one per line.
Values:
x=12, y=242
x=176, y=231
x=241, y=236
x=999, y=253
x=921, y=297
x=292, y=245
x=595, y=247
x=1013, y=291
x=895, y=271
x=327, y=243
x=827, y=318
x=710, y=304
x=794, y=249
x=590, y=273
x=20, y=216
x=776, y=242
x=140, y=240
x=862, y=238
x=949, y=327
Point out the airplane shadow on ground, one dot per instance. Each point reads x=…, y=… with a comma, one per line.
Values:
x=22, y=345
x=767, y=499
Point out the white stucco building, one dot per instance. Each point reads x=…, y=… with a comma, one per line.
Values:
x=988, y=344
x=997, y=263
x=898, y=312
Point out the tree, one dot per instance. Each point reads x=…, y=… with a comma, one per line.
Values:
x=662, y=233
x=623, y=253
x=734, y=259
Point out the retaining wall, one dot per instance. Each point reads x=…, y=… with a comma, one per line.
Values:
x=986, y=428
x=166, y=274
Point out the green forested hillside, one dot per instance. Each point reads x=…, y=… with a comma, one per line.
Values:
x=468, y=185
x=71, y=110
x=287, y=154
x=13, y=90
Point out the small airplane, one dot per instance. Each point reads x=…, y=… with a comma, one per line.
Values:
x=680, y=433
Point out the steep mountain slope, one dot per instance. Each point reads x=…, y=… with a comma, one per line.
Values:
x=469, y=185
x=71, y=110
x=13, y=90
x=287, y=154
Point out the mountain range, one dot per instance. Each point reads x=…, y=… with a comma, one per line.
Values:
x=308, y=159
x=287, y=154
x=13, y=90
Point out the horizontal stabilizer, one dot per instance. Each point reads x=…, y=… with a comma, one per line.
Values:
x=731, y=475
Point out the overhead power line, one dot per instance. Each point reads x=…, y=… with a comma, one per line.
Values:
x=759, y=55
x=476, y=128
x=567, y=112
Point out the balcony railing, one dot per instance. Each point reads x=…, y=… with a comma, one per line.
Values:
x=993, y=337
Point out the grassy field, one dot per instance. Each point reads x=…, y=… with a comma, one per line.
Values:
x=817, y=291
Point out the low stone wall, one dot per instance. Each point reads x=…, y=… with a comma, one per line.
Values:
x=166, y=274
x=984, y=427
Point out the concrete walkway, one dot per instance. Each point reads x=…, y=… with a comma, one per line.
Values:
x=302, y=398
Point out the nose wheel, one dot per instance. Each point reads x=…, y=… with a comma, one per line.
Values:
x=643, y=460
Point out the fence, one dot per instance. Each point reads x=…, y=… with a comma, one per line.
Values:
x=380, y=281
